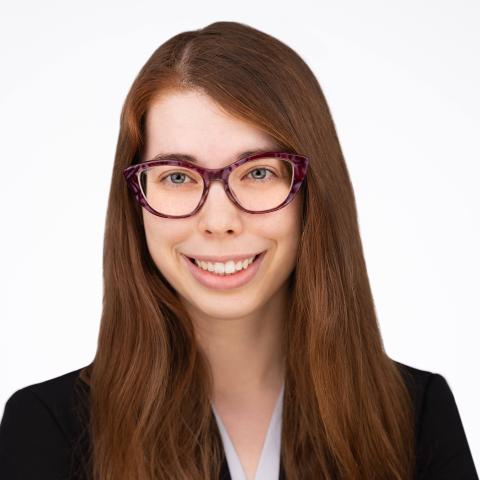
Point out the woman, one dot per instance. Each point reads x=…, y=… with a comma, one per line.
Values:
x=238, y=336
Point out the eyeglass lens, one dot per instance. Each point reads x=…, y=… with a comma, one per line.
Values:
x=258, y=185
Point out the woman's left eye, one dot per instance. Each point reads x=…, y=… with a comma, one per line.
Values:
x=262, y=175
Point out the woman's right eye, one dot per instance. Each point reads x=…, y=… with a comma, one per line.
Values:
x=176, y=176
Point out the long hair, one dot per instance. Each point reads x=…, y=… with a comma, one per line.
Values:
x=347, y=412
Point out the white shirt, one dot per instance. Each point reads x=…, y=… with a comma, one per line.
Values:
x=268, y=467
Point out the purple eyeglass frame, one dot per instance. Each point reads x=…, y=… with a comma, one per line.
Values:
x=132, y=173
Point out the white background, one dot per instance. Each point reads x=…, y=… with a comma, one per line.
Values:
x=401, y=80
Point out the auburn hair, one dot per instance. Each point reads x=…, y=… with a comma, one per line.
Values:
x=347, y=413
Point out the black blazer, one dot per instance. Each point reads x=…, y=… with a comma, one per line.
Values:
x=42, y=436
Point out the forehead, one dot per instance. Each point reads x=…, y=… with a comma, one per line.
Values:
x=191, y=123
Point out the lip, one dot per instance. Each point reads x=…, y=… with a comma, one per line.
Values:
x=224, y=282
x=222, y=258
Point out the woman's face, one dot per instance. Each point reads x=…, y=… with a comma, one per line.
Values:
x=191, y=123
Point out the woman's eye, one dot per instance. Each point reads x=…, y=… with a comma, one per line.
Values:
x=259, y=173
x=177, y=178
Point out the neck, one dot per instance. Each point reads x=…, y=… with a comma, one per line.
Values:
x=246, y=354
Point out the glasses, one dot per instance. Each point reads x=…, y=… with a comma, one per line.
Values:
x=259, y=183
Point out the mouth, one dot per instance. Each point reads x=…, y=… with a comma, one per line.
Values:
x=192, y=260
x=221, y=280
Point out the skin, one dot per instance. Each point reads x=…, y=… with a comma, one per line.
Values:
x=239, y=329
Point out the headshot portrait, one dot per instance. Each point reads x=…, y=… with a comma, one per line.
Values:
x=260, y=311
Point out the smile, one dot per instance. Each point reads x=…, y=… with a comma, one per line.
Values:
x=223, y=276
x=228, y=268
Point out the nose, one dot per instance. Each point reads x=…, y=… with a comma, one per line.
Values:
x=219, y=214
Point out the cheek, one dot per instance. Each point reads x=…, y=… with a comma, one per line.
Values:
x=282, y=228
x=284, y=225
x=162, y=235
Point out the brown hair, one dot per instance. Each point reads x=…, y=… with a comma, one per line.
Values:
x=347, y=412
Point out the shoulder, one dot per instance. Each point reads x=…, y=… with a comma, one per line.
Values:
x=419, y=383
x=441, y=445
x=53, y=399
x=39, y=426
x=431, y=395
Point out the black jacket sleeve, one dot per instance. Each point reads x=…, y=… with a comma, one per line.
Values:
x=32, y=443
x=443, y=449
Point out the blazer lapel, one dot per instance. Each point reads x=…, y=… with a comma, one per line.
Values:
x=224, y=471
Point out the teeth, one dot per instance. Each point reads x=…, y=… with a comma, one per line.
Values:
x=226, y=268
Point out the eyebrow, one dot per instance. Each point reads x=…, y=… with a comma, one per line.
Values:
x=192, y=159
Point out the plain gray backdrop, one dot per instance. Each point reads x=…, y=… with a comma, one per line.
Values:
x=401, y=80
